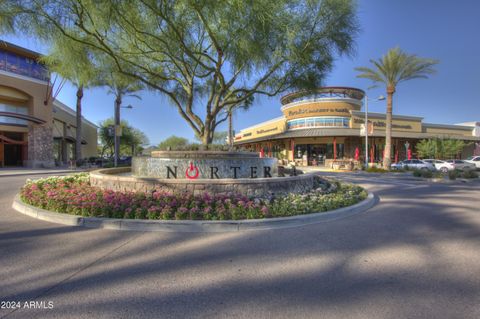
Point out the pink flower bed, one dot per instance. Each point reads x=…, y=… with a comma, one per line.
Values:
x=74, y=195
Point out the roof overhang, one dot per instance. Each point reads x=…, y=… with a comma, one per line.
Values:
x=25, y=117
x=326, y=132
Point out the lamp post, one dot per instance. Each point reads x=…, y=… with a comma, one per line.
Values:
x=116, y=131
x=380, y=98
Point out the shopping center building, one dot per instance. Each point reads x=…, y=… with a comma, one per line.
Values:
x=35, y=129
x=318, y=127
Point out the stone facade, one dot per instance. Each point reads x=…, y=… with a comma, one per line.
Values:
x=119, y=179
x=40, y=146
x=203, y=165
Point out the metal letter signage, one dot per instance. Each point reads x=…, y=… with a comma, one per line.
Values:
x=191, y=169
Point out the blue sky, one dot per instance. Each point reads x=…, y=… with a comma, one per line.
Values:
x=444, y=30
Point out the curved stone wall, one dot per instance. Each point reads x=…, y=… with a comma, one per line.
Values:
x=118, y=179
x=196, y=165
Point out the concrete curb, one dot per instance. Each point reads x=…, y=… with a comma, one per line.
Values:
x=44, y=173
x=193, y=225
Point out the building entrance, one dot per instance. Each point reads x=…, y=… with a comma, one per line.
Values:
x=13, y=155
x=317, y=154
x=12, y=149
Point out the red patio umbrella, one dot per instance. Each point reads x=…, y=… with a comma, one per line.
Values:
x=409, y=154
x=357, y=154
x=334, y=148
x=292, y=146
x=396, y=156
x=262, y=153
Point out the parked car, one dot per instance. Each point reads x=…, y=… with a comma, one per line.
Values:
x=474, y=160
x=462, y=165
x=125, y=160
x=413, y=164
x=441, y=165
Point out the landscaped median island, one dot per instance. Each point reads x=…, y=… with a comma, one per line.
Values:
x=74, y=195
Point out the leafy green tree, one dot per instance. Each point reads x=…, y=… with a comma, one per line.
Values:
x=426, y=148
x=131, y=141
x=205, y=55
x=245, y=106
x=440, y=148
x=452, y=148
x=173, y=142
x=120, y=86
x=395, y=67
x=219, y=138
x=81, y=73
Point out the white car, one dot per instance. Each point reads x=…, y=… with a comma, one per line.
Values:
x=441, y=165
x=413, y=164
x=474, y=160
x=462, y=165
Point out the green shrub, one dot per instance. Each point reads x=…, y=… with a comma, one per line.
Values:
x=427, y=174
x=375, y=169
x=453, y=174
x=438, y=175
x=417, y=173
x=422, y=173
x=469, y=174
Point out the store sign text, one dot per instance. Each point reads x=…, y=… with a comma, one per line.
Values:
x=383, y=124
x=193, y=172
x=318, y=110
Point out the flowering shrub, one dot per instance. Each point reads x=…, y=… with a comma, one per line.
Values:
x=74, y=195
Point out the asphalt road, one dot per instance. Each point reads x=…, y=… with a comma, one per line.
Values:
x=414, y=255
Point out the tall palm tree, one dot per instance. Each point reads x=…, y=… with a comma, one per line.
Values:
x=71, y=61
x=395, y=67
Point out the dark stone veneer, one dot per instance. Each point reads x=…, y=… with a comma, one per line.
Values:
x=112, y=178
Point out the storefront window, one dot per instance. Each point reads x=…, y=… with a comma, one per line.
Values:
x=57, y=150
x=300, y=150
x=319, y=122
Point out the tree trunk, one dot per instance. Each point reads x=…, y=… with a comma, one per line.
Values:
x=230, y=130
x=78, y=135
x=388, y=130
x=208, y=130
x=116, y=137
x=207, y=137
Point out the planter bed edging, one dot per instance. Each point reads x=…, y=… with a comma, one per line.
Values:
x=193, y=225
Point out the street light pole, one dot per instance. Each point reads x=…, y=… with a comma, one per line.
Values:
x=115, y=130
x=366, y=131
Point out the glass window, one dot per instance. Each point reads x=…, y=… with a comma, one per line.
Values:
x=18, y=64
x=13, y=109
x=3, y=61
x=319, y=122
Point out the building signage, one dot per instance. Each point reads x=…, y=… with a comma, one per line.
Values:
x=267, y=131
x=192, y=172
x=383, y=124
x=306, y=111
